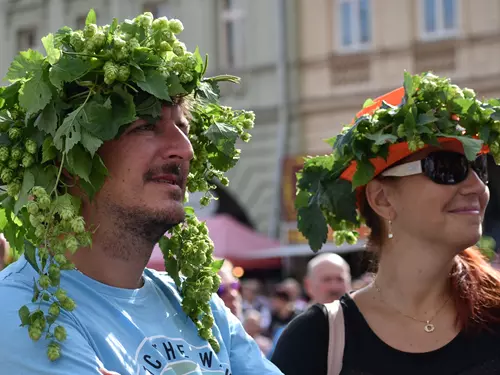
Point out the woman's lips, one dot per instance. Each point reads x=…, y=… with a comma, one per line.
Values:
x=466, y=211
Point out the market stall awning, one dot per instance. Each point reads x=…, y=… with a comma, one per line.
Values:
x=235, y=242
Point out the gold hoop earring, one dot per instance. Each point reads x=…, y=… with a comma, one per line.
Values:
x=389, y=232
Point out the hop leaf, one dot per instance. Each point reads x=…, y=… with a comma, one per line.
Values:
x=16, y=153
x=27, y=161
x=68, y=304
x=32, y=208
x=30, y=146
x=60, y=294
x=44, y=282
x=54, y=351
x=176, y=26
x=54, y=309
x=60, y=258
x=14, y=134
x=35, y=333
x=4, y=153
x=7, y=175
x=60, y=333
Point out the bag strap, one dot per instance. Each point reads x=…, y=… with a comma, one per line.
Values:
x=336, y=340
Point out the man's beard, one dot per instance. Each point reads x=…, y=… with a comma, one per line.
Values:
x=138, y=230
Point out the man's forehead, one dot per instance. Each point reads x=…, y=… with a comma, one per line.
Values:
x=169, y=112
x=329, y=268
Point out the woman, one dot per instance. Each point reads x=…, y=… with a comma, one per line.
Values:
x=433, y=307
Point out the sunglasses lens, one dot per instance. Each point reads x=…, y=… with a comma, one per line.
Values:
x=450, y=168
x=446, y=168
x=480, y=166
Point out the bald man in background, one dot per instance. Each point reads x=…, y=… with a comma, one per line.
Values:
x=328, y=278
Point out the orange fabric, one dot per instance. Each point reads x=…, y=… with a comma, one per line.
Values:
x=397, y=151
x=393, y=98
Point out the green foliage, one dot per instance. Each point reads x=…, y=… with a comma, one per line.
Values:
x=56, y=113
x=432, y=107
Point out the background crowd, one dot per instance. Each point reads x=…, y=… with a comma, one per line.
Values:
x=265, y=308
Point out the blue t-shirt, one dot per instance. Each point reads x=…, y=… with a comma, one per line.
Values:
x=142, y=331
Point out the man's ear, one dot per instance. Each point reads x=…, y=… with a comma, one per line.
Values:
x=378, y=197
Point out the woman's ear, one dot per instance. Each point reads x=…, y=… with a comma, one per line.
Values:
x=378, y=197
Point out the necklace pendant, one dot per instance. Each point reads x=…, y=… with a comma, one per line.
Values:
x=429, y=327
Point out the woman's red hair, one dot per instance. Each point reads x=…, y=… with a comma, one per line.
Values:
x=475, y=287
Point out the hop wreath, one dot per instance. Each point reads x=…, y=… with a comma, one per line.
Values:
x=432, y=107
x=54, y=116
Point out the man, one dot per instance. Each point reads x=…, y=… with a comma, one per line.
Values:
x=294, y=290
x=282, y=310
x=253, y=326
x=127, y=320
x=328, y=278
x=252, y=299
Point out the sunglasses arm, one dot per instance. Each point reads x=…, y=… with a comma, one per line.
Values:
x=407, y=169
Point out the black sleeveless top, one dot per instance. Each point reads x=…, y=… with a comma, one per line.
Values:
x=303, y=349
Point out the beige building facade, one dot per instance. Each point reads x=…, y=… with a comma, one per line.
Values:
x=352, y=50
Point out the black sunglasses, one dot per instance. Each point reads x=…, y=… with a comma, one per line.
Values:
x=443, y=167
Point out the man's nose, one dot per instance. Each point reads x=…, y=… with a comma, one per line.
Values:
x=176, y=144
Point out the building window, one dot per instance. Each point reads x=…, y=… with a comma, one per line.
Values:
x=158, y=8
x=354, y=22
x=440, y=19
x=232, y=45
x=26, y=39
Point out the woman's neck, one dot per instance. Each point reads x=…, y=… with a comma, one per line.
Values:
x=414, y=278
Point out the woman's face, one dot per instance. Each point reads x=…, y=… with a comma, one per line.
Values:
x=448, y=214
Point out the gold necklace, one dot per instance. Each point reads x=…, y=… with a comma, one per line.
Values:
x=428, y=327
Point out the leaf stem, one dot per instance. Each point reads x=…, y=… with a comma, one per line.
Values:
x=83, y=54
x=148, y=38
x=78, y=95
x=130, y=86
x=54, y=190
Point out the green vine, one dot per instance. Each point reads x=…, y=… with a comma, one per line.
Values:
x=432, y=107
x=56, y=113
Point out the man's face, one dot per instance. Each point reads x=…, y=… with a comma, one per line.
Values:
x=148, y=167
x=327, y=283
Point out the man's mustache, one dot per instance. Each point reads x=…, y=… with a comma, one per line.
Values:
x=169, y=168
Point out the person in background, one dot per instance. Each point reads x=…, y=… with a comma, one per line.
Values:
x=282, y=310
x=292, y=287
x=229, y=289
x=253, y=327
x=328, y=278
x=252, y=299
x=4, y=251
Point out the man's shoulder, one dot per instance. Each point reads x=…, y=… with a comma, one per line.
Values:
x=19, y=277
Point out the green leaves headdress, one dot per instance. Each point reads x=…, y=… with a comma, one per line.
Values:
x=425, y=111
x=56, y=113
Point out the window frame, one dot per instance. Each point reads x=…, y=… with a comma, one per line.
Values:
x=440, y=33
x=357, y=45
x=235, y=16
x=23, y=32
